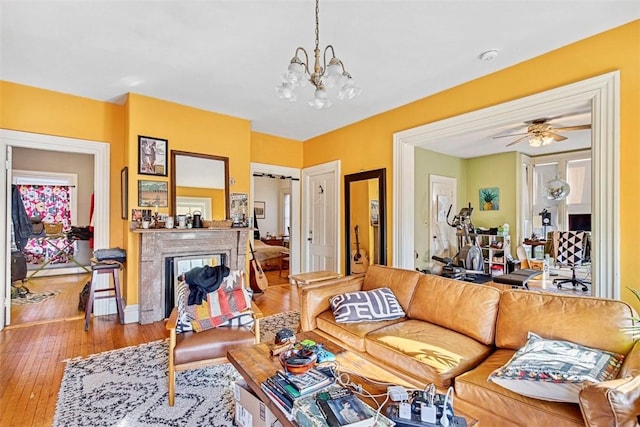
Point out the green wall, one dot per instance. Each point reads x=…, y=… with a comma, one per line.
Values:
x=500, y=171
x=431, y=163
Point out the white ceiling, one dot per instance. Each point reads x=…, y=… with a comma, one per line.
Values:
x=227, y=56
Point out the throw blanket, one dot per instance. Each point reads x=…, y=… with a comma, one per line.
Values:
x=203, y=280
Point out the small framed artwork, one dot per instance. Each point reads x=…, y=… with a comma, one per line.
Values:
x=124, y=192
x=490, y=199
x=152, y=156
x=258, y=209
x=153, y=193
x=375, y=212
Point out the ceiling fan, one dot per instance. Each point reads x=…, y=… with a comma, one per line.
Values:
x=540, y=132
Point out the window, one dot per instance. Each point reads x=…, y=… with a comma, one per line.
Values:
x=286, y=213
x=575, y=168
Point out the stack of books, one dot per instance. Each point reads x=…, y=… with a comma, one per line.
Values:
x=284, y=388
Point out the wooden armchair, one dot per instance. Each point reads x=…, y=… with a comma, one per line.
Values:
x=191, y=350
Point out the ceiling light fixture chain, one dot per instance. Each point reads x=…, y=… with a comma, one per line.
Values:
x=323, y=76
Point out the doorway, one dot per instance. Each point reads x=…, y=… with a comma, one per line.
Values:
x=292, y=174
x=321, y=221
x=100, y=152
x=602, y=93
x=443, y=200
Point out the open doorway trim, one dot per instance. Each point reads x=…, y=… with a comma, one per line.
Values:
x=100, y=151
x=294, y=238
x=603, y=93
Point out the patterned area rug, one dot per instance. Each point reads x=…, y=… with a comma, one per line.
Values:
x=33, y=297
x=128, y=387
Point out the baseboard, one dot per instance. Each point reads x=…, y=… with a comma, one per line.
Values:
x=131, y=314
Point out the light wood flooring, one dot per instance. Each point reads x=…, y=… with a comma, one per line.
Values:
x=42, y=336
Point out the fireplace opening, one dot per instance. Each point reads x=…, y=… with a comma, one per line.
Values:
x=177, y=265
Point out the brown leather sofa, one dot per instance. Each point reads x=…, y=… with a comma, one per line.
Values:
x=457, y=333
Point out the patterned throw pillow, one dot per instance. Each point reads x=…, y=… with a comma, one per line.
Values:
x=555, y=370
x=375, y=305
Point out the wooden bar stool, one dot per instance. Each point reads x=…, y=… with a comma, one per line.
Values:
x=104, y=267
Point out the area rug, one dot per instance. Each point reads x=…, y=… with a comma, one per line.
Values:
x=34, y=297
x=128, y=387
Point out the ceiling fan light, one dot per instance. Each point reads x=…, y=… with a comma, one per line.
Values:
x=546, y=140
x=536, y=141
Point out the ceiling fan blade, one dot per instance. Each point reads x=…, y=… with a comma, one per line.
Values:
x=568, y=128
x=516, y=141
x=555, y=136
x=512, y=134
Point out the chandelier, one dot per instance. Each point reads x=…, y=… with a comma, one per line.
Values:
x=323, y=77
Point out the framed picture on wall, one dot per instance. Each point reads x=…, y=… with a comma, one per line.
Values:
x=152, y=156
x=124, y=192
x=258, y=209
x=153, y=193
x=375, y=212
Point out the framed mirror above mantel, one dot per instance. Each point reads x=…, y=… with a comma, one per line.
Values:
x=199, y=182
x=365, y=208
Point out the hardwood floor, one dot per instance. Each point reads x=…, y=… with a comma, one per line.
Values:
x=32, y=354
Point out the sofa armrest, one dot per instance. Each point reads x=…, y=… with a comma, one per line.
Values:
x=314, y=299
x=611, y=403
x=631, y=365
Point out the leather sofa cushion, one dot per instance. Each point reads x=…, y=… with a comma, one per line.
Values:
x=615, y=402
x=401, y=282
x=473, y=387
x=351, y=334
x=559, y=317
x=463, y=307
x=428, y=352
x=211, y=344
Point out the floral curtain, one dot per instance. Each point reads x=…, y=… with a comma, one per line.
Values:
x=50, y=202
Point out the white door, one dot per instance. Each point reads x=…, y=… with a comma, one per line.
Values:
x=321, y=223
x=443, y=241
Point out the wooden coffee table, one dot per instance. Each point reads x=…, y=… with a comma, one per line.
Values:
x=256, y=364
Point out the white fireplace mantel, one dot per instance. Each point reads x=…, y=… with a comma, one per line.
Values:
x=158, y=244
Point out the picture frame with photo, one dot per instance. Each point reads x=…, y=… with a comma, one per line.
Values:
x=259, y=210
x=153, y=193
x=152, y=155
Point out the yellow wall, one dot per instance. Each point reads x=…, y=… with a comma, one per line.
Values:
x=368, y=144
x=186, y=129
x=273, y=150
x=30, y=109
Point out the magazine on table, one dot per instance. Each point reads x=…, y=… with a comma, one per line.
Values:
x=310, y=381
x=341, y=408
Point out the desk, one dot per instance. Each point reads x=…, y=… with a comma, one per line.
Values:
x=533, y=244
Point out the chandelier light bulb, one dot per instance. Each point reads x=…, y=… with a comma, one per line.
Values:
x=536, y=141
x=320, y=100
x=284, y=91
x=349, y=90
x=321, y=74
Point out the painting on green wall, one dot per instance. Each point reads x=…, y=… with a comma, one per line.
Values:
x=490, y=199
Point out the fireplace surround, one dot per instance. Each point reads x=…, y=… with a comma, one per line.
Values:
x=156, y=245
